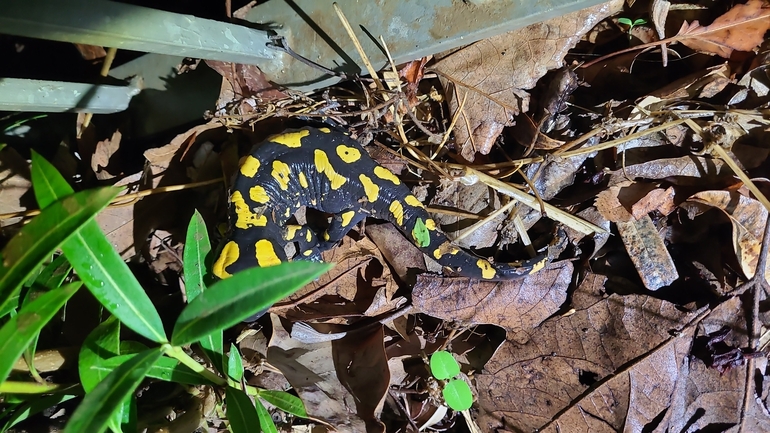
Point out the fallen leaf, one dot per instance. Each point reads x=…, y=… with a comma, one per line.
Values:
x=748, y=218
x=493, y=73
x=742, y=28
x=519, y=306
x=648, y=252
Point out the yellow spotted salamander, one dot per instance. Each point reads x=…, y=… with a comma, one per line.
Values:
x=331, y=172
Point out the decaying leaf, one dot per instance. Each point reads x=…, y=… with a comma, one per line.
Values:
x=648, y=252
x=493, y=73
x=517, y=305
x=741, y=28
x=748, y=218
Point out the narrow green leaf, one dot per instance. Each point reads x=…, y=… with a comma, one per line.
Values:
x=167, y=369
x=94, y=412
x=230, y=301
x=17, y=333
x=265, y=420
x=626, y=21
x=37, y=240
x=101, y=344
x=54, y=273
x=98, y=264
x=288, y=403
x=35, y=406
x=234, y=364
x=196, y=248
x=213, y=346
x=240, y=412
x=458, y=395
x=443, y=365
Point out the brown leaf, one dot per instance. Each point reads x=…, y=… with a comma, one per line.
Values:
x=524, y=386
x=742, y=28
x=493, y=72
x=648, y=252
x=102, y=156
x=362, y=368
x=312, y=372
x=517, y=305
x=747, y=217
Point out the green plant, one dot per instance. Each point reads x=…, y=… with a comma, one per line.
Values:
x=631, y=24
x=110, y=369
x=456, y=392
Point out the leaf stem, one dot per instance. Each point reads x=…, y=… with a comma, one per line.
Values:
x=177, y=353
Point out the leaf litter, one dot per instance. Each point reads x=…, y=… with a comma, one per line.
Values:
x=650, y=147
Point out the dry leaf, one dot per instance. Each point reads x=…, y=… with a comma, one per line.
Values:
x=741, y=28
x=524, y=386
x=493, y=72
x=648, y=252
x=748, y=218
x=517, y=305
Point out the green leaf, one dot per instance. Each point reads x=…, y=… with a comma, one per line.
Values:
x=443, y=365
x=458, y=395
x=230, y=301
x=235, y=364
x=265, y=420
x=124, y=418
x=288, y=403
x=54, y=273
x=420, y=233
x=240, y=412
x=625, y=21
x=101, y=344
x=213, y=346
x=35, y=406
x=97, y=263
x=196, y=248
x=640, y=21
x=167, y=369
x=37, y=240
x=96, y=409
x=19, y=331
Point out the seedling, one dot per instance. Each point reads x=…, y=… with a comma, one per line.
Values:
x=457, y=394
x=632, y=24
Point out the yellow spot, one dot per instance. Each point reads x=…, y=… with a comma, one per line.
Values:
x=325, y=130
x=385, y=174
x=372, y=191
x=348, y=154
x=538, y=266
x=281, y=174
x=323, y=166
x=302, y=180
x=258, y=194
x=398, y=212
x=249, y=166
x=347, y=216
x=227, y=257
x=430, y=224
x=412, y=201
x=290, y=139
x=487, y=271
x=326, y=236
x=442, y=249
x=287, y=213
x=307, y=253
x=266, y=254
x=308, y=236
x=291, y=231
x=246, y=218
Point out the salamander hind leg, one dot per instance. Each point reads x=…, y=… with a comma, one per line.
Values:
x=341, y=224
x=308, y=247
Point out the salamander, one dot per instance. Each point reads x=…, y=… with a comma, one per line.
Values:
x=331, y=172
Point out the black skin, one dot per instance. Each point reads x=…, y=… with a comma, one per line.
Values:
x=318, y=193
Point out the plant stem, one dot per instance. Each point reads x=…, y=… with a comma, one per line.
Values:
x=180, y=355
